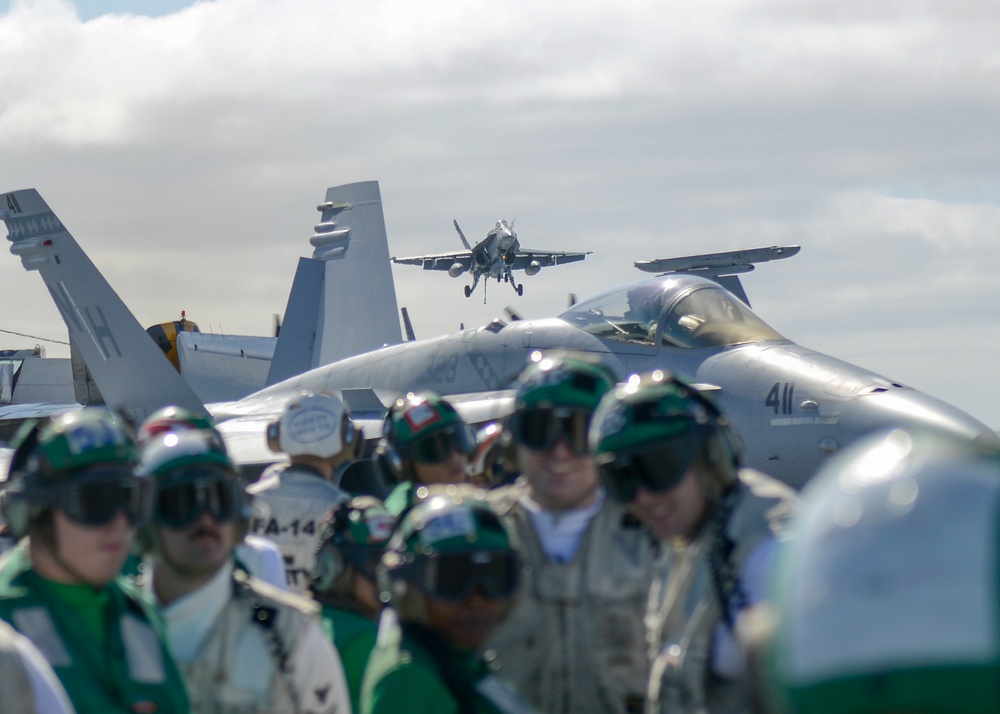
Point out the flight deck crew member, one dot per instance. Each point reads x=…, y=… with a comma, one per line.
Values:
x=344, y=581
x=256, y=555
x=425, y=441
x=669, y=453
x=244, y=646
x=574, y=642
x=316, y=432
x=885, y=595
x=449, y=575
x=73, y=500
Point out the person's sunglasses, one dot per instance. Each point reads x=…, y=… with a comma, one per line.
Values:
x=94, y=499
x=657, y=469
x=539, y=428
x=439, y=445
x=453, y=577
x=184, y=494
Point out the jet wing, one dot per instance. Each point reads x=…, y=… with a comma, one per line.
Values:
x=545, y=258
x=438, y=261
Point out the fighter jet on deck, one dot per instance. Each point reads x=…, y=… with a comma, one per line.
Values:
x=793, y=406
x=497, y=255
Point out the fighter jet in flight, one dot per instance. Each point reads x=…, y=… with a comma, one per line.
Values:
x=497, y=256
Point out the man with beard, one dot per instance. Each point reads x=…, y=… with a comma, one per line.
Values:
x=243, y=645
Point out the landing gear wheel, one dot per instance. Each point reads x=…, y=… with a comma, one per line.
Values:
x=520, y=290
x=468, y=291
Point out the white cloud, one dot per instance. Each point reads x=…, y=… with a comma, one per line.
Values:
x=204, y=138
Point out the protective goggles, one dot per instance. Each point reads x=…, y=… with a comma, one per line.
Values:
x=657, y=469
x=96, y=496
x=539, y=428
x=183, y=494
x=453, y=577
x=438, y=446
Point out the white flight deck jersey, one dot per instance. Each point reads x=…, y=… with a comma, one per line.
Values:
x=245, y=647
x=574, y=641
x=296, y=502
x=695, y=665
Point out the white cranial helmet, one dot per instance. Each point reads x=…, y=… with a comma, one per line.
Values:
x=313, y=424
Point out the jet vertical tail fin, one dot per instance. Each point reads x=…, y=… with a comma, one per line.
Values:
x=343, y=299
x=461, y=235
x=132, y=373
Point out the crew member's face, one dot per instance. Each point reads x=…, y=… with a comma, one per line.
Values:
x=88, y=555
x=559, y=479
x=198, y=550
x=466, y=625
x=366, y=594
x=677, y=512
x=451, y=470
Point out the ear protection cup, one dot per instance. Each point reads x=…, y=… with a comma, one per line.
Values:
x=328, y=567
x=389, y=461
x=18, y=512
x=273, y=434
x=348, y=432
x=16, y=506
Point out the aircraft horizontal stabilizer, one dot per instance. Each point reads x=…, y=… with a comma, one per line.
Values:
x=711, y=264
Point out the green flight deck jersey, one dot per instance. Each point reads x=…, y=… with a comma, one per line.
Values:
x=108, y=647
x=404, y=676
x=354, y=637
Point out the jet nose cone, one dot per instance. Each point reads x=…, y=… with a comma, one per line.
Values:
x=909, y=408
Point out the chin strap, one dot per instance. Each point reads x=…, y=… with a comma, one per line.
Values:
x=725, y=577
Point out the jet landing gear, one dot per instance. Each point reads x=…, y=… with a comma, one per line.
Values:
x=470, y=288
x=508, y=277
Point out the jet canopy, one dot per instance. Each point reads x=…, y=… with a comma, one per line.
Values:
x=672, y=310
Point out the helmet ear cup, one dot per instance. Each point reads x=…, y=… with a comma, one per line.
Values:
x=18, y=512
x=328, y=568
x=274, y=436
x=242, y=506
x=389, y=461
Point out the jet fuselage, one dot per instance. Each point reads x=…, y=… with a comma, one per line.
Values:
x=793, y=406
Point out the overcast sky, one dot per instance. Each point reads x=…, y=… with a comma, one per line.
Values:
x=186, y=151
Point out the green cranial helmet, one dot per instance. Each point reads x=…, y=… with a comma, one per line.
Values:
x=886, y=594
x=353, y=538
x=417, y=415
x=169, y=452
x=191, y=475
x=81, y=463
x=71, y=443
x=172, y=419
x=447, y=546
x=650, y=432
x=562, y=380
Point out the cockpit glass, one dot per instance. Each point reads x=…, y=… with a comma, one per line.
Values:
x=712, y=317
x=652, y=312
